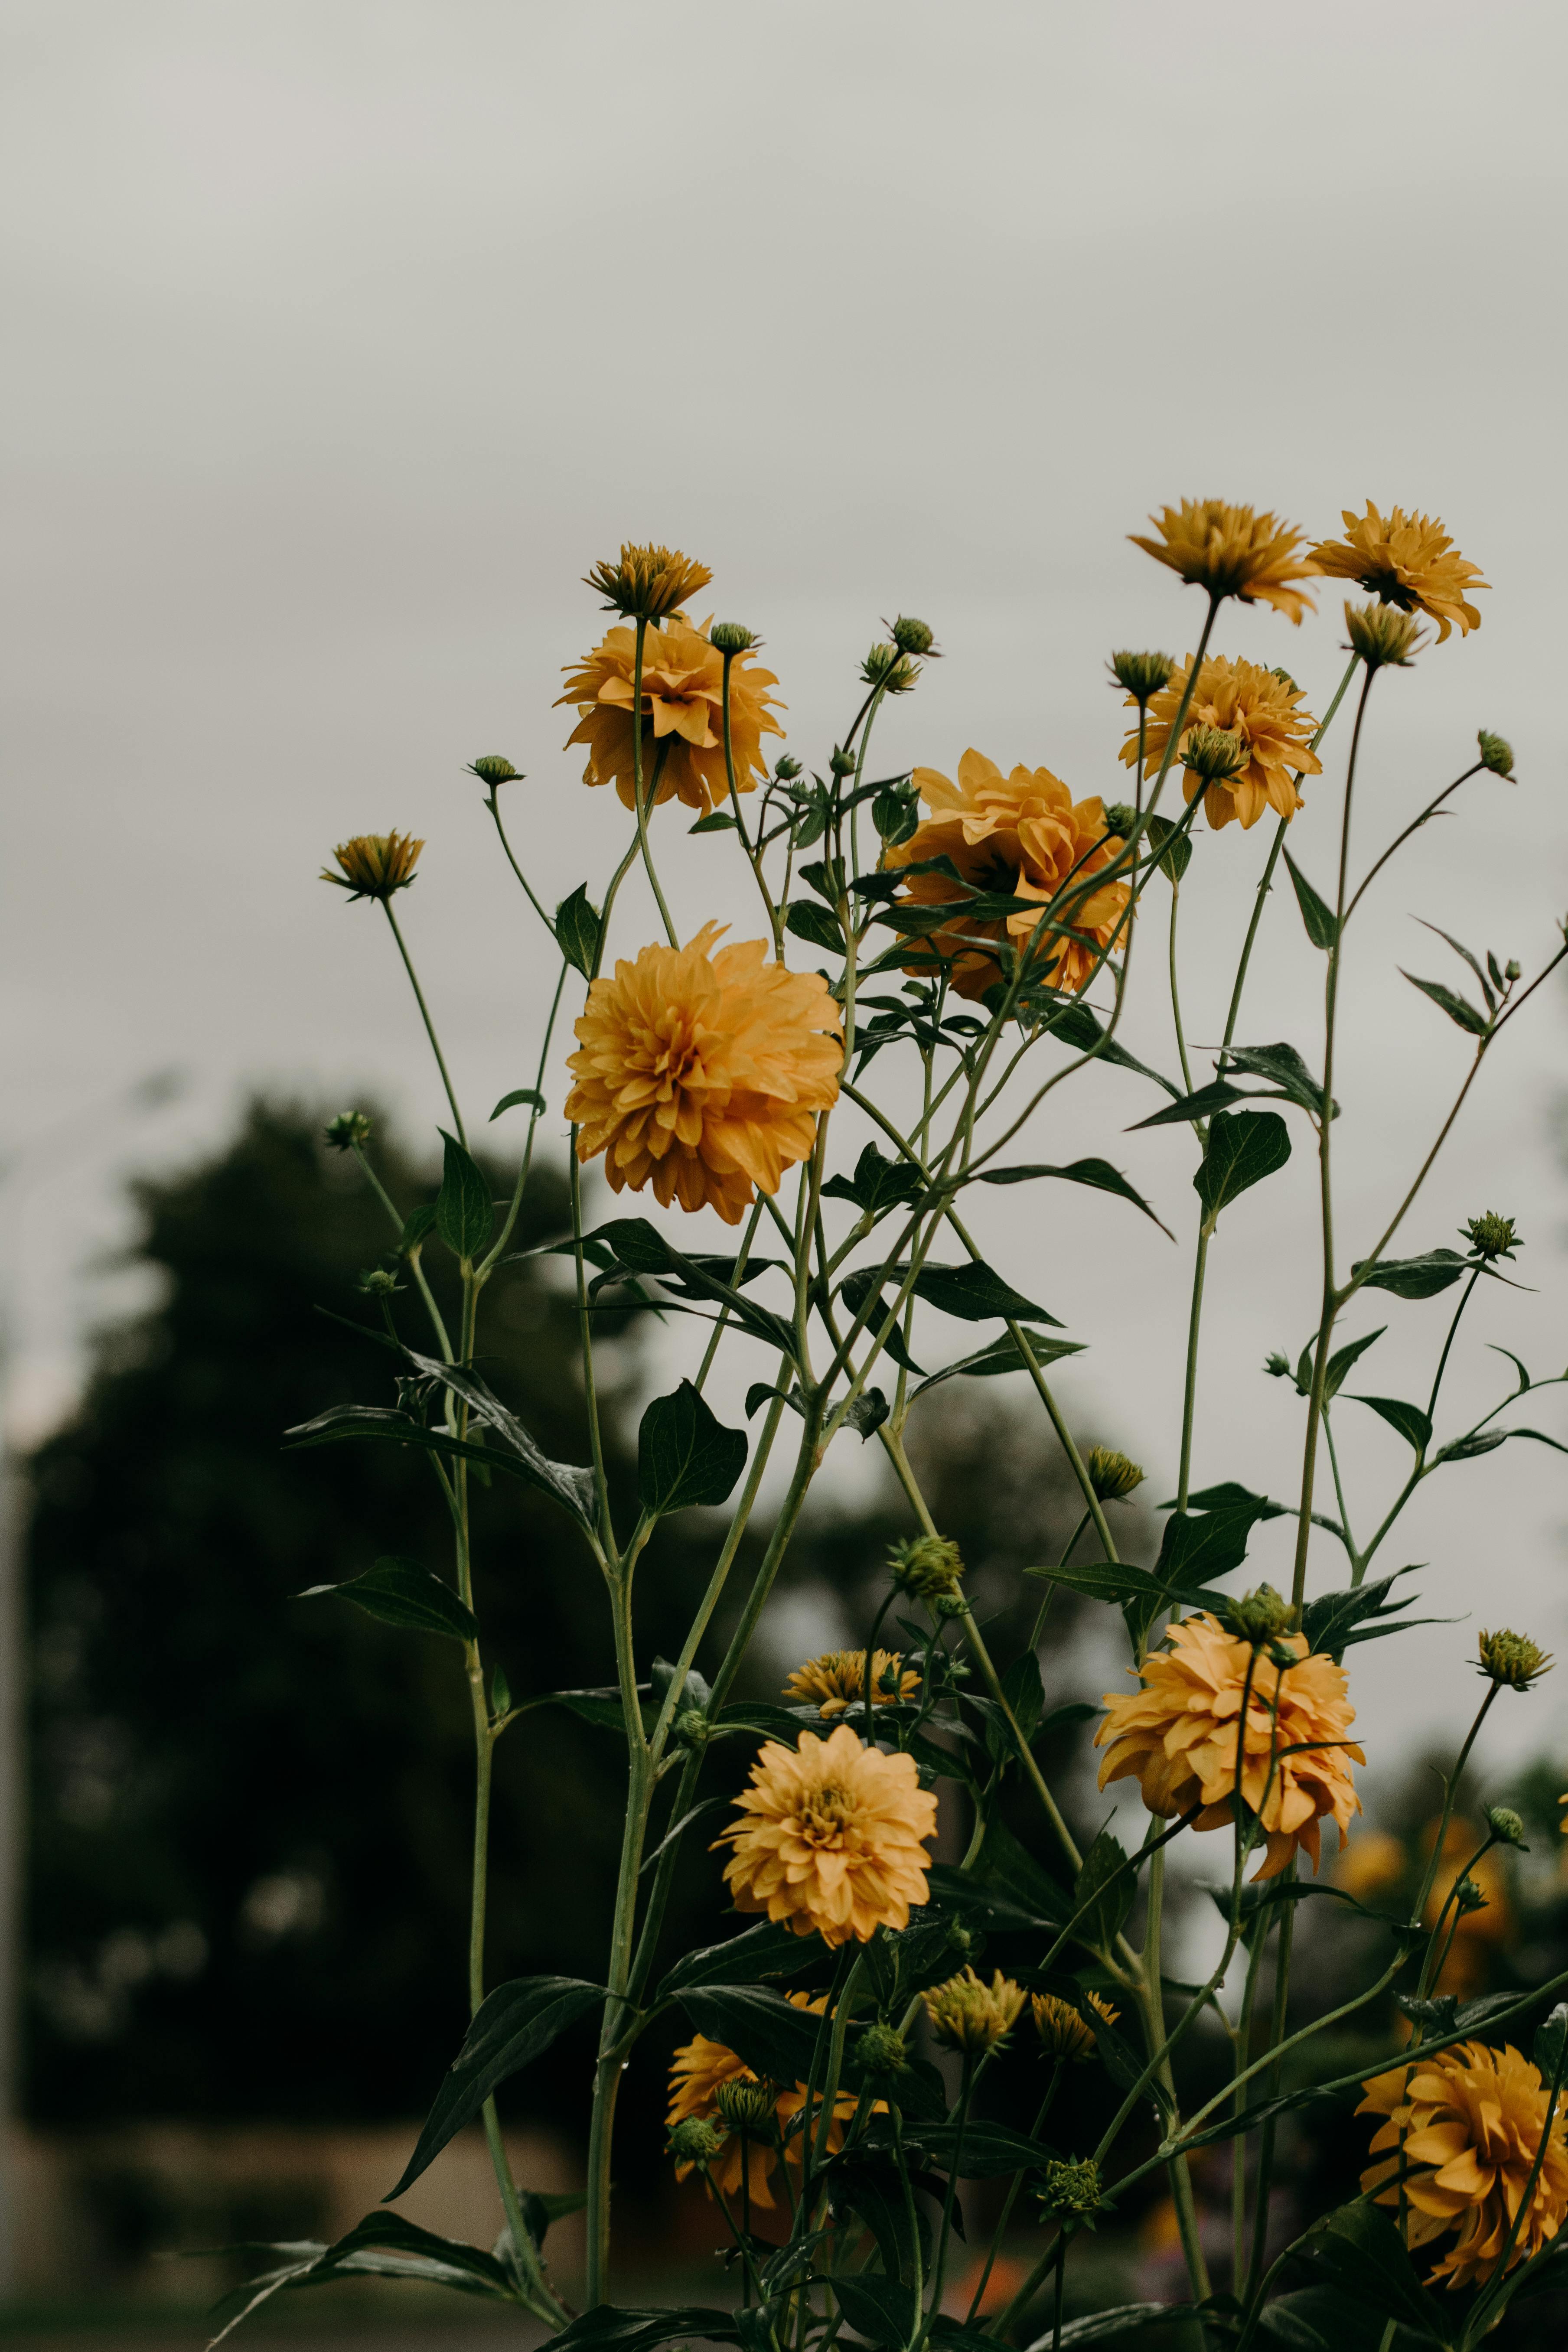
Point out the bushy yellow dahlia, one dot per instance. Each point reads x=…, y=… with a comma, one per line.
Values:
x=682, y=714
x=1464, y=2126
x=1248, y=701
x=699, y=2070
x=1409, y=561
x=831, y=1837
x=1178, y=1733
x=1022, y=833
x=836, y=1680
x=701, y=1071
x=1233, y=551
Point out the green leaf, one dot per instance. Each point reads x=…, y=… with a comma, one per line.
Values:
x=1340, y=1362
x=975, y=1293
x=566, y=1482
x=1362, y=2250
x=1335, y=1620
x=529, y=1095
x=770, y=1948
x=878, y=1184
x=1075, y=1023
x=416, y=1225
x=610, y=2328
x=859, y=2183
x=1414, y=1278
x=577, y=925
x=1215, y=1096
x=1323, y=925
x=1196, y=1546
x=511, y=2027
x=641, y=1249
x=1549, y=2051
x=1243, y=1147
x=1127, y=2319
x=1106, y=1862
x=1283, y=1067
x=1097, y=1173
x=716, y=821
x=384, y=2245
x=465, y=1212
x=879, y=2309
x=684, y=1454
x=773, y=2037
x=1173, y=847
x=542, y=2206
x=818, y=926
x=403, y=1592
x=1006, y=1868
x=1458, y=1008
x=1412, y=1423
x=562, y=1482
x=1003, y=1356
x=988, y=2149
x=1468, y=1449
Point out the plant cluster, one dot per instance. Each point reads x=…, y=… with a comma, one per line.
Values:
x=939, y=955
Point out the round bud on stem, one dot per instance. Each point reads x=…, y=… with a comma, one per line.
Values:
x=1071, y=2188
x=1506, y=1826
x=1511, y=1660
x=787, y=769
x=1260, y=1617
x=1384, y=636
x=883, y=2051
x=1140, y=676
x=491, y=769
x=1492, y=1236
x=887, y=667
x=928, y=1566
x=348, y=1128
x=1112, y=1474
x=692, y=2141
x=1122, y=819
x=733, y=637
x=747, y=2106
x=1496, y=754
x=1213, y=753
x=912, y=637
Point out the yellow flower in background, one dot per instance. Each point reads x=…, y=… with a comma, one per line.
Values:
x=375, y=865
x=1409, y=561
x=648, y=580
x=839, y=1677
x=1024, y=835
x=1248, y=701
x=1467, y=2123
x=702, y=1070
x=1232, y=551
x=831, y=1838
x=699, y=2070
x=1179, y=1734
x=1477, y=1932
x=1377, y=1862
x=682, y=714
x=1064, y=2029
x=968, y=2015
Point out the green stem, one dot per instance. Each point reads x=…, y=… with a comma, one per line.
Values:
x=425, y=1293
x=637, y=793
x=429, y=1024
x=1153, y=2001
x=1190, y=1389
x=1000, y=2231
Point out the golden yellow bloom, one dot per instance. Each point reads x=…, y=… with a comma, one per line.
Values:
x=1377, y=1862
x=831, y=1837
x=648, y=581
x=682, y=714
x=1248, y=700
x=969, y=2015
x=839, y=1677
x=375, y=865
x=1409, y=561
x=702, y=1071
x=1232, y=551
x=1065, y=2031
x=698, y=2072
x=1178, y=1733
x=1471, y=2119
x=1022, y=833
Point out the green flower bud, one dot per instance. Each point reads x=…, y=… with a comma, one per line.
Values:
x=375, y=1282
x=1512, y=1659
x=491, y=769
x=747, y=2106
x=692, y=2141
x=1122, y=819
x=1112, y=1474
x=692, y=1727
x=928, y=1566
x=1142, y=675
x=787, y=769
x=1213, y=753
x=1278, y=1367
x=1491, y=1235
x=348, y=1128
x=912, y=637
x=1071, y=2188
x=883, y=2051
x=843, y=763
x=1506, y=1826
x=1383, y=636
x=1260, y=1617
x=1467, y=1897
x=886, y=666
x=1496, y=754
x=733, y=637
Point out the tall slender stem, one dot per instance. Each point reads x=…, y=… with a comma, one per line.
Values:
x=429, y=1024
x=637, y=794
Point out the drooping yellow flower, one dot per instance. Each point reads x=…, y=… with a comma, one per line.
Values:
x=968, y=2015
x=1178, y=1733
x=648, y=580
x=1246, y=699
x=1409, y=561
x=837, y=1678
x=702, y=1070
x=682, y=714
x=1232, y=551
x=1025, y=834
x=1064, y=2031
x=831, y=1837
x=1470, y=2119
x=698, y=2072
x=375, y=865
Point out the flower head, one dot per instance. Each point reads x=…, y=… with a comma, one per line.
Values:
x=1140, y=675
x=1112, y=1474
x=882, y=2050
x=887, y=667
x=1071, y=2187
x=1232, y=551
x=1507, y=1826
x=1258, y=704
x=1213, y=754
x=926, y=1566
x=1497, y=756
x=1064, y=2031
x=375, y=865
x=682, y=714
x=1383, y=636
x=701, y=1071
x=969, y=2015
x=1180, y=1731
x=1409, y=561
x=350, y=1128
x=711, y=2086
x=1490, y=1235
x=1023, y=835
x=912, y=637
x=648, y=581
x=831, y=1837
x=1464, y=2126
x=494, y=768
x=838, y=1677
x=1512, y=1658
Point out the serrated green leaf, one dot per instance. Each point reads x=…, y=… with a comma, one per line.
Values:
x=465, y=1212
x=1243, y=1147
x=406, y=1593
x=1173, y=845
x=685, y=1456
x=818, y=926
x=1322, y=924
x=577, y=925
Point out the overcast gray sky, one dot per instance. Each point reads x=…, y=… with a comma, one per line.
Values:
x=342, y=337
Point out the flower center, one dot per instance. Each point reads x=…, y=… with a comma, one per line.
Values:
x=825, y=1816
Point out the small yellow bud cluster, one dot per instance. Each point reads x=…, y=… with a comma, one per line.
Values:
x=928, y=1566
x=1112, y=1474
x=1491, y=1235
x=1213, y=753
x=1071, y=2188
x=1512, y=1659
x=969, y=2015
x=1140, y=676
x=1065, y=2032
x=1384, y=636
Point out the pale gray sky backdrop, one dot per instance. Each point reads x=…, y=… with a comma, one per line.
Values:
x=341, y=336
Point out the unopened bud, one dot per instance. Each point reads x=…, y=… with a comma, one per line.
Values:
x=1140, y=676
x=1213, y=753
x=1071, y=2188
x=1122, y=819
x=1496, y=754
x=883, y=2051
x=1506, y=1826
x=926, y=1566
x=787, y=769
x=732, y=638
x=348, y=1128
x=1512, y=1659
x=887, y=667
x=912, y=637
x=692, y=2141
x=1491, y=1235
x=375, y=1282
x=1112, y=1474
x=1278, y=1367
x=1383, y=636
x=843, y=763
x=747, y=2105
x=691, y=1727
x=1467, y=1897
x=491, y=769
x=1260, y=1617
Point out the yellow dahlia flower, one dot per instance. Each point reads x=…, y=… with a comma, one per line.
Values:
x=831, y=1838
x=1409, y=561
x=702, y=1071
x=1232, y=551
x=682, y=714
x=1064, y=2031
x=1467, y=2122
x=837, y=1678
x=698, y=2072
x=1022, y=833
x=968, y=2015
x=1178, y=1733
x=375, y=865
x=648, y=580
x=1244, y=700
